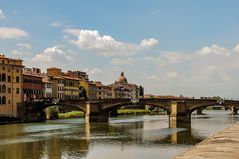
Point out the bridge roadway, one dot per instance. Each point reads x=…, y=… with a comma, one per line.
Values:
x=179, y=109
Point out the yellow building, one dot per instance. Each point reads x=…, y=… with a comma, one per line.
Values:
x=84, y=86
x=71, y=87
x=10, y=85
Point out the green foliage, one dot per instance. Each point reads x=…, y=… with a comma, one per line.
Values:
x=132, y=111
x=219, y=99
x=52, y=112
x=82, y=92
x=72, y=114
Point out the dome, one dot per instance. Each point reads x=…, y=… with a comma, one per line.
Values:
x=122, y=79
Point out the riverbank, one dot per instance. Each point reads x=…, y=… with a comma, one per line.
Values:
x=222, y=145
x=78, y=114
x=9, y=120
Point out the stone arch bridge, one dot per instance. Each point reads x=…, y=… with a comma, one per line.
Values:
x=179, y=110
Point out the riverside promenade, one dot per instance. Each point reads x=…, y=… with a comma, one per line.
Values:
x=222, y=145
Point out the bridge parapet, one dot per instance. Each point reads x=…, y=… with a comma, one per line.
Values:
x=230, y=103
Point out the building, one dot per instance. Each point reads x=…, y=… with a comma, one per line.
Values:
x=71, y=87
x=103, y=91
x=10, y=85
x=92, y=93
x=47, y=87
x=53, y=71
x=58, y=86
x=77, y=74
x=122, y=89
x=83, y=82
x=32, y=87
x=65, y=85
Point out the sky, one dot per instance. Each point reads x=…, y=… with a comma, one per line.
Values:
x=185, y=47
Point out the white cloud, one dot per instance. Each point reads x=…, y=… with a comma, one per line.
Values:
x=107, y=45
x=53, y=54
x=93, y=71
x=149, y=42
x=22, y=50
x=214, y=49
x=12, y=33
x=171, y=75
x=24, y=45
x=207, y=72
x=174, y=57
x=152, y=59
x=236, y=49
x=152, y=77
x=58, y=24
x=21, y=53
x=122, y=61
x=2, y=16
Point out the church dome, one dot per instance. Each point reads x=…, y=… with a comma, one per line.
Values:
x=122, y=79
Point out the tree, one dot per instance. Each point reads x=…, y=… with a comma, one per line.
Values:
x=82, y=92
x=141, y=91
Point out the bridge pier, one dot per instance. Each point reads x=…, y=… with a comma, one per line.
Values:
x=114, y=113
x=178, y=115
x=94, y=112
x=234, y=110
x=199, y=111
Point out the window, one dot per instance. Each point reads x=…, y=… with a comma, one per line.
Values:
x=9, y=102
x=8, y=78
x=17, y=70
x=17, y=79
x=4, y=77
x=17, y=91
x=3, y=88
x=9, y=90
x=0, y=100
x=3, y=100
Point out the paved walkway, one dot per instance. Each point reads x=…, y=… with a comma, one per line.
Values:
x=223, y=145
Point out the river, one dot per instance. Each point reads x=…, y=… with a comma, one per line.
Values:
x=124, y=137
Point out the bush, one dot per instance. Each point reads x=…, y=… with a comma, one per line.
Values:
x=72, y=114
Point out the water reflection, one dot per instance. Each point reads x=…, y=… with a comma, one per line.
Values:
x=123, y=137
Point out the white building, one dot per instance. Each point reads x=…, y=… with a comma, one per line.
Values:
x=47, y=87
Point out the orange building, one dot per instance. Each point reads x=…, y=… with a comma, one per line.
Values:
x=11, y=79
x=32, y=87
x=53, y=71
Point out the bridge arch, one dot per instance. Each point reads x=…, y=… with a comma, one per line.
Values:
x=79, y=106
x=196, y=107
x=164, y=107
x=193, y=108
x=110, y=107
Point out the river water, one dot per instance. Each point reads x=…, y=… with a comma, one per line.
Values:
x=124, y=137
